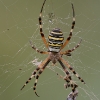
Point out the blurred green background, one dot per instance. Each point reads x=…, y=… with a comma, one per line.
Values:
x=19, y=24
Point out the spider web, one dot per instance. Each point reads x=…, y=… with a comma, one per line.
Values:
x=19, y=25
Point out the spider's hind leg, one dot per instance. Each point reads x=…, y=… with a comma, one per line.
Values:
x=40, y=26
x=71, y=31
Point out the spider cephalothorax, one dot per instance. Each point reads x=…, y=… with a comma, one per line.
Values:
x=54, y=57
x=55, y=45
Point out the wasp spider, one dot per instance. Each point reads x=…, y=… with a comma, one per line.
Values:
x=55, y=45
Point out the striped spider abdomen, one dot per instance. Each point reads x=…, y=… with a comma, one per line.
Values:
x=55, y=40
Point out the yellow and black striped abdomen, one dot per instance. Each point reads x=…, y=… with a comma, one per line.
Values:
x=55, y=40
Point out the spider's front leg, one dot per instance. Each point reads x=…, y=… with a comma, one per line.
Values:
x=39, y=73
x=72, y=70
x=68, y=78
x=33, y=75
x=38, y=69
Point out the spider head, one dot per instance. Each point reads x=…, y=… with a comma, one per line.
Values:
x=55, y=40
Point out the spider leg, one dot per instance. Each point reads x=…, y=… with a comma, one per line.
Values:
x=68, y=78
x=71, y=69
x=39, y=73
x=69, y=84
x=40, y=25
x=70, y=35
x=34, y=72
x=67, y=52
x=33, y=75
x=39, y=51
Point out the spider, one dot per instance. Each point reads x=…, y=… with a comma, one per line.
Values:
x=55, y=45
